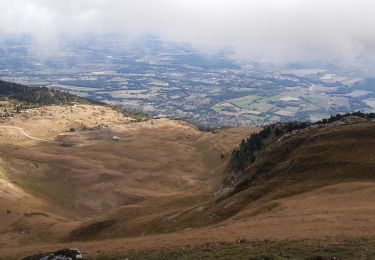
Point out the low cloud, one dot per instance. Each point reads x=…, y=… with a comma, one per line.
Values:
x=270, y=30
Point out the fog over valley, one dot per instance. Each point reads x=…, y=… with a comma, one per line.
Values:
x=187, y=129
x=216, y=63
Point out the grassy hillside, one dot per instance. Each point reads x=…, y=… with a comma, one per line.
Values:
x=293, y=158
x=288, y=190
x=290, y=160
x=18, y=97
x=247, y=152
x=37, y=95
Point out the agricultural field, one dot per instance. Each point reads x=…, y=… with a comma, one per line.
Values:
x=173, y=80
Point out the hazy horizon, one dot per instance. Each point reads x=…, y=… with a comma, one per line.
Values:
x=270, y=31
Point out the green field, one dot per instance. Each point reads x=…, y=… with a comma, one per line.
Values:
x=251, y=104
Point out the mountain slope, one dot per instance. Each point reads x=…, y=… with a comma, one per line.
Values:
x=337, y=156
x=95, y=179
x=152, y=168
x=295, y=163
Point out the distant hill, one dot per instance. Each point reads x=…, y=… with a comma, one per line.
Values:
x=246, y=153
x=38, y=95
x=28, y=96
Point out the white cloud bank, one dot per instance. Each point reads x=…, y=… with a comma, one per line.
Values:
x=273, y=30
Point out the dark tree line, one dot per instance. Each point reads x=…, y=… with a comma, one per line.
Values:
x=28, y=96
x=341, y=116
x=245, y=154
x=37, y=95
x=135, y=114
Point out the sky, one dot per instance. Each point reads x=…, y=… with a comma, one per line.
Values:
x=272, y=30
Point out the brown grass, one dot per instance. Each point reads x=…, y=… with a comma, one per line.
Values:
x=154, y=189
x=158, y=168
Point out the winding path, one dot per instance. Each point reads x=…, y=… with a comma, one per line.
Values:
x=22, y=131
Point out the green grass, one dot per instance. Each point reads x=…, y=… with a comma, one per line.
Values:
x=315, y=99
x=217, y=107
x=257, y=103
x=264, y=117
x=243, y=101
x=274, y=118
x=261, y=104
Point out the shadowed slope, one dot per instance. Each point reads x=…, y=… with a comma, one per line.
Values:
x=304, y=161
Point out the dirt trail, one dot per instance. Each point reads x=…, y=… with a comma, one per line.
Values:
x=22, y=131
